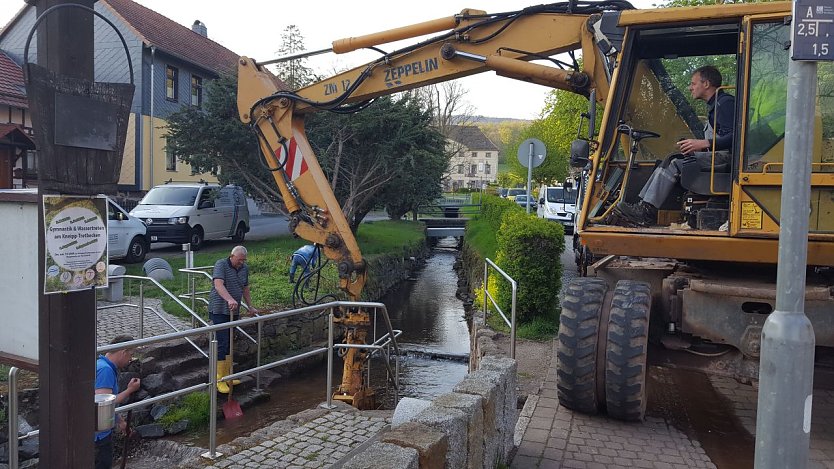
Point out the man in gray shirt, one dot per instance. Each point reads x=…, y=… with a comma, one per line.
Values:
x=230, y=284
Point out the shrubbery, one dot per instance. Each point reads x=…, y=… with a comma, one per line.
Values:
x=529, y=251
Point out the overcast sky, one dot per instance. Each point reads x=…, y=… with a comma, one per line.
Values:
x=253, y=28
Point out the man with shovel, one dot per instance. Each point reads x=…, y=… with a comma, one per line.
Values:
x=230, y=284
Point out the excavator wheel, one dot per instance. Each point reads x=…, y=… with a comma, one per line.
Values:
x=576, y=379
x=627, y=344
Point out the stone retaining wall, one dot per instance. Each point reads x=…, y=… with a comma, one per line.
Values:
x=472, y=427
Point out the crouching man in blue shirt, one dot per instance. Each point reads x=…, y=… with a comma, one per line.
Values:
x=107, y=382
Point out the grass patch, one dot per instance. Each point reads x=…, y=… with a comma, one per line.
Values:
x=269, y=262
x=480, y=236
x=195, y=407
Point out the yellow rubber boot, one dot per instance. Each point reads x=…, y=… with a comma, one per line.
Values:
x=228, y=361
x=222, y=370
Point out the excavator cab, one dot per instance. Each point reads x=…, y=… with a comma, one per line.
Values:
x=699, y=281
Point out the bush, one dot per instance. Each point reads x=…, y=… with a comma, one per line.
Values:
x=195, y=407
x=529, y=251
x=493, y=209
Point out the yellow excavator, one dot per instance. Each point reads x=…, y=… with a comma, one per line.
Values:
x=699, y=280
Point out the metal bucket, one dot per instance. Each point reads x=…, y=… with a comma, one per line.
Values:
x=105, y=412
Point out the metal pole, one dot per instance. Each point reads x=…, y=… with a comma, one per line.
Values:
x=329, y=404
x=486, y=288
x=786, y=368
x=13, y=425
x=260, y=337
x=512, y=322
x=529, y=176
x=141, y=310
x=212, y=390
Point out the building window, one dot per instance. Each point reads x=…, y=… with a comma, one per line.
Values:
x=480, y=167
x=196, y=91
x=487, y=169
x=460, y=169
x=170, y=159
x=171, y=78
x=472, y=169
x=474, y=154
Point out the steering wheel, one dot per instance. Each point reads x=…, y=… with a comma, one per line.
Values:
x=637, y=134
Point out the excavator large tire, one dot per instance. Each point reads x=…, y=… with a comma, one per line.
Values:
x=626, y=347
x=576, y=377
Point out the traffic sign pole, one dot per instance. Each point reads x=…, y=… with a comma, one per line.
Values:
x=786, y=367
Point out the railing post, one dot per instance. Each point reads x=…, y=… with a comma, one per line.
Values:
x=13, y=425
x=512, y=321
x=486, y=288
x=193, y=282
x=141, y=310
x=212, y=390
x=260, y=338
x=329, y=403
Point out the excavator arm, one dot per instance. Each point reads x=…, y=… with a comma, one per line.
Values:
x=470, y=42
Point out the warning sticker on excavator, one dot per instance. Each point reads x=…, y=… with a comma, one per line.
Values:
x=751, y=216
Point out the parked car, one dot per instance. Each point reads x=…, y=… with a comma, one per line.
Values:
x=502, y=192
x=524, y=201
x=513, y=193
x=194, y=212
x=126, y=235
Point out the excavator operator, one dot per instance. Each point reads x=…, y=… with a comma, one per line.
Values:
x=704, y=86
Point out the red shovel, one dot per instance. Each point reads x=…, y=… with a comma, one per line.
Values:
x=231, y=408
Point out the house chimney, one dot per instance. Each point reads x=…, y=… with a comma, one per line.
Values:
x=200, y=28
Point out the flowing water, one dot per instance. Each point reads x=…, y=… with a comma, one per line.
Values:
x=432, y=320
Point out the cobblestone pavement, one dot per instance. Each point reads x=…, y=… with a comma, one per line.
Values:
x=744, y=398
x=560, y=438
x=117, y=320
x=318, y=443
x=556, y=437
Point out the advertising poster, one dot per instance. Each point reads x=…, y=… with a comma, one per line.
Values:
x=76, y=243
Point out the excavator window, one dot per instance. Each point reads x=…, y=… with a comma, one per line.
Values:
x=767, y=98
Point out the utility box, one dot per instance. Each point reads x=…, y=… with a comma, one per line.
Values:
x=115, y=286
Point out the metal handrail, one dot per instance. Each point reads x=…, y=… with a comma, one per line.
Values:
x=389, y=339
x=159, y=315
x=191, y=312
x=511, y=323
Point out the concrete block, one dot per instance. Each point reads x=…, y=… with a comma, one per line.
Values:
x=431, y=444
x=485, y=385
x=508, y=369
x=384, y=456
x=453, y=424
x=472, y=406
x=407, y=409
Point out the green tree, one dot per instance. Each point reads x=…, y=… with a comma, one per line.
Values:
x=215, y=138
x=295, y=73
x=557, y=128
x=379, y=152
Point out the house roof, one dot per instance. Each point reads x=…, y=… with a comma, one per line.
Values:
x=173, y=38
x=471, y=137
x=12, y=88
x=13, y=134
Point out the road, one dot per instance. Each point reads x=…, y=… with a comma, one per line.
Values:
x=263, y=227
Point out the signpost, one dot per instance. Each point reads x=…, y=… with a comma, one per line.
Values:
x=531, y=154
x=786, y=367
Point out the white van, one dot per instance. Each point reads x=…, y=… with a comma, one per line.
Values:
x=126, y=235
x=194, y=212
x=558, y=203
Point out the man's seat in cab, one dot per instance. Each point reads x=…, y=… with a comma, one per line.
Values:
x=696, y=179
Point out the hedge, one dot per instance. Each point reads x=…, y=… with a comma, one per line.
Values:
x=529, y=251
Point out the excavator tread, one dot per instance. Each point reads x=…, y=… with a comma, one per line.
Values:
x=577, y=349
x=626, y=348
